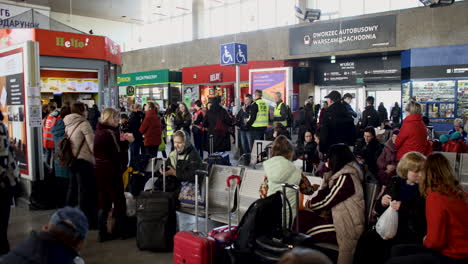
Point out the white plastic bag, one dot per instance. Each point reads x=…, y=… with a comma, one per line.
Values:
x=387, y=225
x=131, y=204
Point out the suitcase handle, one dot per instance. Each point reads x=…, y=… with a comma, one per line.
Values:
x=233, y=177
x=163, y=174
x=205, y=174
x=286, y=201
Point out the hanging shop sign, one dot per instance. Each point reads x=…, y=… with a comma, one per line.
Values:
x=366, y=33
x=216, y=77
x=359, y=71
x=142, y=78
x=64, y=44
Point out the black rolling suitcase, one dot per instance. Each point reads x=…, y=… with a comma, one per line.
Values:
x=219, y=159
x=156, y=218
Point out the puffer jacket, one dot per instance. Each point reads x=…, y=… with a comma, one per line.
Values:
x=279, y=170
x=348, y=216
x=336, y=126
x=412, y=137
x=83, y=134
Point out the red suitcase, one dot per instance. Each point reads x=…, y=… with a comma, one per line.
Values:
x=195, y=247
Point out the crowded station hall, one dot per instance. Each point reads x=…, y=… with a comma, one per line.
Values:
x=234, y=131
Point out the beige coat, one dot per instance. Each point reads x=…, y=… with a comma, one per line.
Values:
x=348, y=216
x=84, y=134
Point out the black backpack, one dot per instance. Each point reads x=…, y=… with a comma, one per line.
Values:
x=64, y=155
x=264, y=217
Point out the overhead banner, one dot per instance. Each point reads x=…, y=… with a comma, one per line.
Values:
x=358, y=71
x=366, y=33
x=13, y=16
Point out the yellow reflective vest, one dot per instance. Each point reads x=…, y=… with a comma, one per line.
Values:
x=262, y=114
x=277, y=113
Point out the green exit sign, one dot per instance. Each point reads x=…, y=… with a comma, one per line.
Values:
x=359, y=80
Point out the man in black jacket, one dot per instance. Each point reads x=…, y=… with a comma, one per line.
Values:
x=370, y=117
x=347, y=98
x=58, y=243
x=241, y=121
x=337, y=124
x=134, y=123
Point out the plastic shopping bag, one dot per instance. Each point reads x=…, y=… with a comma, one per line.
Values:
x=131, y=204
x=387, y=225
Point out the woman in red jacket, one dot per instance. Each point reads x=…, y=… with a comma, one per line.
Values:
x=151, y=130
x=446, y=213
x=413, y=133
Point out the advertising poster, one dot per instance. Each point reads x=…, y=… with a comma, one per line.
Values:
x=12, y=103
x=270, y=82
x=191, y=94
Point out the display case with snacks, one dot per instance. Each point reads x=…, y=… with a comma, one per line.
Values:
x=462, y=105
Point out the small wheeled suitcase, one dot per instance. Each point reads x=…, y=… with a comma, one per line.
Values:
x=195, y=247
x=156, y=218
x=216, y=158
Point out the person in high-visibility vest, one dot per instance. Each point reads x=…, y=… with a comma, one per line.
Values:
x=258, y=120
x=47, y=136
x=170, y=116
x=280, y=114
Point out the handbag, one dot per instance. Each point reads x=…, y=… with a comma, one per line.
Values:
x=187, y=196
x=387, y=225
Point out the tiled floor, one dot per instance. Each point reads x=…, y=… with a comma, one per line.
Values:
x=114, y=252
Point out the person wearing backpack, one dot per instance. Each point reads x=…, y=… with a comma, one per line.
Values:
x=82, y=190
x=217, y=121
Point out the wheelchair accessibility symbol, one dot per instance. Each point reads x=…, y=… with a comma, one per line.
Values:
x=240, y=57
x=233, y=53
x=227, y=57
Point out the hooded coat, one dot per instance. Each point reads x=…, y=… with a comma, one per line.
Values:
x=280, y=170
x=412, y=137
x=186, y=162
x=83, y=135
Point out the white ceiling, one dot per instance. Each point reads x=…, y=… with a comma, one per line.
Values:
x=134, y=11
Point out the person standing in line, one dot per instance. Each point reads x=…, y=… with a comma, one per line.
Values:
x=217, y=121
x=170, y=127
x=134, y=123
x=413, y=133
x=305, y=121
x=82, y=189
x=370, y=117
x=47, y=137
x=197, y=127
x=383, y=114
x=151, y=130
x=258, y=120
x=322, y=111
x=396, y=114
x=242, y=118
x=9, y=184
x=62, y=174
x=183, y=118
x=93, y=116
x=108, y=148
x=347, y=98
x=280, y=113
x=337, y=125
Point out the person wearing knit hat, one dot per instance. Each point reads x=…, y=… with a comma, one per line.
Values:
x=57, y=243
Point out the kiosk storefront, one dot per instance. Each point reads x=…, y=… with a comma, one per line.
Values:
x=161, y=86
x=74, y=67
x=437, y=77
